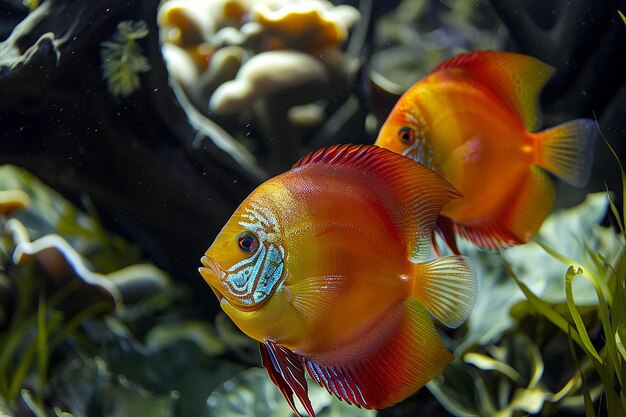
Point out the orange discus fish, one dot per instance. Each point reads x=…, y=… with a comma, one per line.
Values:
x=471, y=120
x=320, y=265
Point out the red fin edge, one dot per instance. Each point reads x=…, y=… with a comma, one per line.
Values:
x=286, y=370
x=517, y=79
x=392, y=371
x=418, y=193
x=445, y=229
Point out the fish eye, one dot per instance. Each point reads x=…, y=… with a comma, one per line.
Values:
x=406, y=135
x=247, y=242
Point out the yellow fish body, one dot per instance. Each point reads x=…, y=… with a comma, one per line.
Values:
x=472, y=120
x=320, y=265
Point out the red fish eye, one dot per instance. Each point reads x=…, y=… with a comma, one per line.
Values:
x=406, y=135
x=247, y=242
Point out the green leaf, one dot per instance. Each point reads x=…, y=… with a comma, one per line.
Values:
x=5, y=410
x=487, y=363
x=33, y=406
x=541, y=272
x=622, y=16
x=473, y=389
x=620, y=337
x=251, y=393
x=587, y=398
x=544, y=308
x=60, y=413
x=42, y=346
x=623, y=175
x=197, y=332
x=578, y=321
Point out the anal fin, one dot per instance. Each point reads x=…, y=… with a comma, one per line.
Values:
x=520, y=219
x=411, y=356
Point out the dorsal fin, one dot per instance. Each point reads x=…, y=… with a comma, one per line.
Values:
x=418, y=192
x=517, y=79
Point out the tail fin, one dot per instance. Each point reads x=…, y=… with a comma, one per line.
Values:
x=447, y=288
x=567, y=150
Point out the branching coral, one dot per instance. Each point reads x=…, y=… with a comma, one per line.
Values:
x=122, y=59
x=194, y=33
x=240, y=56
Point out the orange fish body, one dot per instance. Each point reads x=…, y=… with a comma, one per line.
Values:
x=471, y=120
x=320, y=265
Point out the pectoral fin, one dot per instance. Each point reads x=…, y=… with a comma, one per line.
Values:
x=447, y=288
x=310, y=296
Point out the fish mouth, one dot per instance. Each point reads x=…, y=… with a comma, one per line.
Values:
x=211, y=272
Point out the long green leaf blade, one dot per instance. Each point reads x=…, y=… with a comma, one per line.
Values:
x=621, y=168
x=578, y=321
x=42, y=346
x=544, y=308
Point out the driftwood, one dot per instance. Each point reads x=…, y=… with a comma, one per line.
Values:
x=139, y=160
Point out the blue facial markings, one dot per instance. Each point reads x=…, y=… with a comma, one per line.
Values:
x=253, y=279
x=419, y=150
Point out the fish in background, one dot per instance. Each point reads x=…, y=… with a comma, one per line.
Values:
x=473, y=119
x=321, y=266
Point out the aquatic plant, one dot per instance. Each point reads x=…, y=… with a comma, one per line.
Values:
x=251, y=393
x=31, y=4
x=571, y=308
x=418, y=35
x=607, y=274
x=122, y=59
x=52, y=289
x=507, y=355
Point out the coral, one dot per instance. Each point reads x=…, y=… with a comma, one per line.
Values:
x=122, y=59
x=289, y=69
x=310, y=26
x=12, y=200
x=237, y=57
x=194, y=33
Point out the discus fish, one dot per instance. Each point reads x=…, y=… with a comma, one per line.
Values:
x=471, y=120
x=320, y=265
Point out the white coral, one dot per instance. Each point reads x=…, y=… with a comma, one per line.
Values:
x=286, y=44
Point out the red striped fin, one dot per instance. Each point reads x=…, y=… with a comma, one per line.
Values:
x=517, y=79
x=414, y=193
x=388, y=373
x=286, y=371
